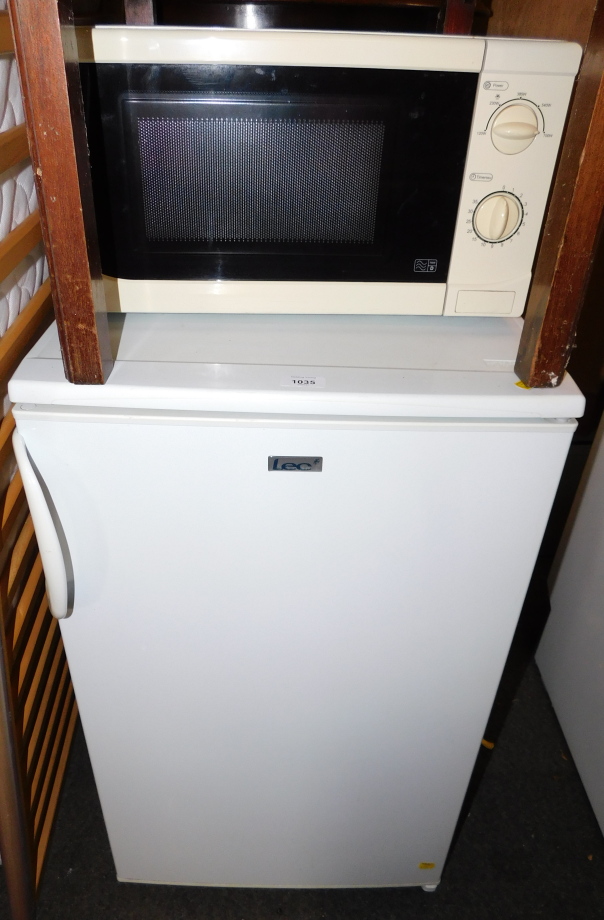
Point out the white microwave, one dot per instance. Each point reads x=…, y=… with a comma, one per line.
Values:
x=281, y=171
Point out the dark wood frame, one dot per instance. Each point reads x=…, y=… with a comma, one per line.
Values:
x=571, y=230
x=45, y=47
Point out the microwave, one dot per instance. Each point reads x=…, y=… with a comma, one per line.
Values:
x=276, y=171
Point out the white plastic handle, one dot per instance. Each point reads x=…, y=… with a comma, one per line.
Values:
x=51, y=553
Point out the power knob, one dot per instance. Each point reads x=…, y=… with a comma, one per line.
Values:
x=514, y=128
x=497, y=217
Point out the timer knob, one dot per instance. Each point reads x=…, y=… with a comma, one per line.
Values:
x=514, y=129
x=497, y=217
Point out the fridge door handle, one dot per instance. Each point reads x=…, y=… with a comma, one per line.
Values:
x=49, y=544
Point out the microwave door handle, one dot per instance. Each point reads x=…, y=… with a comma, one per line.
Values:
x=49, y=545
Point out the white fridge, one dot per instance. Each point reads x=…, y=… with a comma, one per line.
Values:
x=292, y=552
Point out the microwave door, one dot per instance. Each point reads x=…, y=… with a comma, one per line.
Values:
x=233, y=172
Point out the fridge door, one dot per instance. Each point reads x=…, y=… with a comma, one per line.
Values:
x=284, y=673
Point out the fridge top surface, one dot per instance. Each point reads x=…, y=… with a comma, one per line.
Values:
x=300, y=365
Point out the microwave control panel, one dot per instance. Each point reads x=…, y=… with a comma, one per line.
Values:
x=516, y=132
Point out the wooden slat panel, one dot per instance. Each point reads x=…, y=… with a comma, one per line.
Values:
x=34, y=699
x=17, y=573
x=52, y=766
x=59, y=152
x=41, y=707
x=32, y=655
x=14, y=521
x=18, y=562
x=26, y=329
x=37, y=705
x=27, y=606
x=15, y=834
x=19, y=243
x=56, y=789
x=26, y=597
x=12, y=532
x=40, y=780
x=13, y=147
x=12, y=501
x=16, y=830
x=7, y=426
x=46, y=700
x=6, y=35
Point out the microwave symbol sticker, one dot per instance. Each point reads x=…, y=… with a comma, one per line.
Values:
x=425, y=265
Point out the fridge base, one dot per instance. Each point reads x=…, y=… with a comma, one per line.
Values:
x=141, y=881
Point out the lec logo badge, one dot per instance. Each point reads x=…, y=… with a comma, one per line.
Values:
x=296, y=464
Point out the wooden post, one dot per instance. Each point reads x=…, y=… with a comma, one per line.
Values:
x=571, y=229
x=459, y=17
x=46, y=52
x=139, y=12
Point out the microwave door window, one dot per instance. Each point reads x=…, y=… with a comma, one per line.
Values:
x=241, y=176
x=301, y=183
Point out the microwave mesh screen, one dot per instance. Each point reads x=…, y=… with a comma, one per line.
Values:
x=259, y=180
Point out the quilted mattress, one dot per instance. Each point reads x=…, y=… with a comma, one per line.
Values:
x=17, y=201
